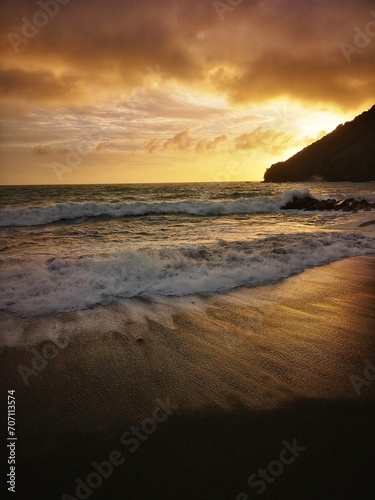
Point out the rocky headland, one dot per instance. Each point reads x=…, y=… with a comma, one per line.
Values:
x=345, y=155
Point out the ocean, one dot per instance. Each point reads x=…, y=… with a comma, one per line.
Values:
x=65, y=248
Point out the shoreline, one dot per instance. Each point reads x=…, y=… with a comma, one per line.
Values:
x=28, y=330
x=246, y=372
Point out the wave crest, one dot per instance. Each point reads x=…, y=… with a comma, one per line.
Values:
x=63, y=284
x=41, y=215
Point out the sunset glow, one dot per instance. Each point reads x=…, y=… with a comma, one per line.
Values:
x=122, y=92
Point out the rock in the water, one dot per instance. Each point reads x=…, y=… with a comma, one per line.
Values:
x=308, y=203
x=323, y=205
x=301, y=203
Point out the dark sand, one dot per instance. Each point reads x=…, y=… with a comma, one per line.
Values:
x=248, y=372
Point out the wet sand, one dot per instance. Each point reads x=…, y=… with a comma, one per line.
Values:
x=196, y=395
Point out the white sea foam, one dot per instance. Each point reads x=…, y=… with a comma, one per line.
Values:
x=33, y=216
x=72, y=267
x=291, y=194
x=38, y=287
x=41, y=215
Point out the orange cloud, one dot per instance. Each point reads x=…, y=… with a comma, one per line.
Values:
x=210, y=145
x=272, y=141
x=183, y=141
x=261, y=50
x=49, y=150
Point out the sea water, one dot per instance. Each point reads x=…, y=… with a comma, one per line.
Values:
x=65, y=248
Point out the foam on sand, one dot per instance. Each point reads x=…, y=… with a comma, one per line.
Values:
x=61, y=284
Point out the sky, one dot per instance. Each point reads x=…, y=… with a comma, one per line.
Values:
x=123, y=91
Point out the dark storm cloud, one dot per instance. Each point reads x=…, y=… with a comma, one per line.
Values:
x=37, y=85
x=258, y=50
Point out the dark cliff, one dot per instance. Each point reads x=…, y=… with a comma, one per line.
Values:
x=346, y=154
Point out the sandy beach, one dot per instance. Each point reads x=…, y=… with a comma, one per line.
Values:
x=193, y=398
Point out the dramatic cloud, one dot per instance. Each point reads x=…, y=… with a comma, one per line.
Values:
x=258, y=50
x=38, y=86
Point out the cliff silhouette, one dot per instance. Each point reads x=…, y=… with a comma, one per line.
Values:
x=346, y=154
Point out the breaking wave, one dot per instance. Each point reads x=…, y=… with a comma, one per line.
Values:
x=60, y=212
x=34, y=216
x=61, y=284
